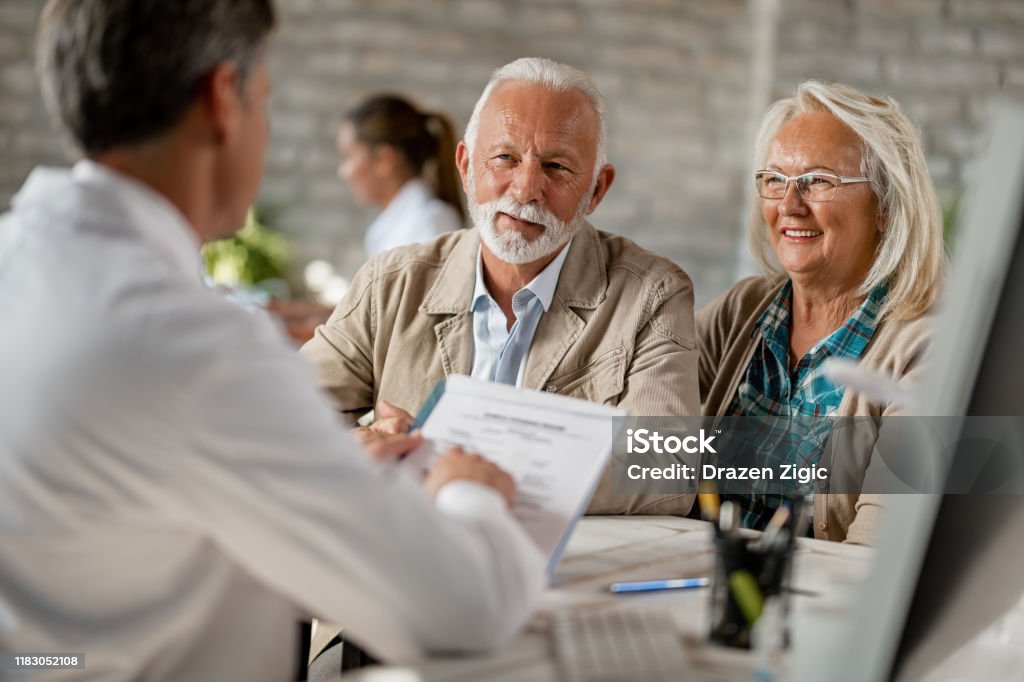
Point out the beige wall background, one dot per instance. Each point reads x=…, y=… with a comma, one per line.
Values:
x=685, y=80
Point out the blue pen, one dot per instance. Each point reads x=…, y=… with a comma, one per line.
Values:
x=651, y=585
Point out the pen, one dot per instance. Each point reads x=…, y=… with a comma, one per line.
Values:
x=707, y=498
x=728, y=519
x=771, y=531
x=651, y=585
x=800, y=520
x=775, y=555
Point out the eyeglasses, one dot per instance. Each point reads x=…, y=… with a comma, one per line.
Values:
x=811, y=186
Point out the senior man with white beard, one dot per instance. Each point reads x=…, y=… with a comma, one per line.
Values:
x=532, y=295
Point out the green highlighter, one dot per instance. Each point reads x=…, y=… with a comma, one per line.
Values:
x=747, y=594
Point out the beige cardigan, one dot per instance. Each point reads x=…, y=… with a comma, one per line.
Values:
x=726, y=347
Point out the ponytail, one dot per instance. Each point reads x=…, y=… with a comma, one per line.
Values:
x=418, y=137
x=446, y=180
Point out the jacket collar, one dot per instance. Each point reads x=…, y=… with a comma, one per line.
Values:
x=582, y=283
x=452, y=291
x=584, y=278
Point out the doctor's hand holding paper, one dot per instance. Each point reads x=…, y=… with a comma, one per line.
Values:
x=383, y=443
x=388, y=440
x=458, y=465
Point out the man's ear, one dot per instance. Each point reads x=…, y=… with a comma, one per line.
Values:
x=605, y=178
x=222, y=100
x=462, y=162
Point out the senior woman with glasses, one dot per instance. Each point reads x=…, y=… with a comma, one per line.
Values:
x=850, y=231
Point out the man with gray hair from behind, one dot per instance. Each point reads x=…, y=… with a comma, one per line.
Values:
x=532, y=296
x=176, y=497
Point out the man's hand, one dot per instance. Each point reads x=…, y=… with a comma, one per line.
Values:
x=456, y=465
x=387, y=447
x=390, y=419
x=386, y=439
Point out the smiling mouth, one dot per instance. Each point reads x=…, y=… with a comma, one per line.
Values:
x=793, y=233
x=519, y=222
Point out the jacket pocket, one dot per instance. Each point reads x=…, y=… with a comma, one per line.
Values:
x=601, y=381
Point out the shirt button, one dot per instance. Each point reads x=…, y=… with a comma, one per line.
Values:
x=550, y=388
x=823, y=526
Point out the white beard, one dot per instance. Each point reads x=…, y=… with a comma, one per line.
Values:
x=511, y=246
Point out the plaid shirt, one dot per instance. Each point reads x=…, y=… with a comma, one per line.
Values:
x=793, y=407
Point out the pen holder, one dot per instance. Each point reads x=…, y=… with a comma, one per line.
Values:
x=746, y=576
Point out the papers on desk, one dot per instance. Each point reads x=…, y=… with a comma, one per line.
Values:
x=555, y=448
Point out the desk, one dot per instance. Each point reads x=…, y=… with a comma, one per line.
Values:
x=606, y=549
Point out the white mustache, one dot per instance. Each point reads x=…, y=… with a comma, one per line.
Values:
x=528, y=212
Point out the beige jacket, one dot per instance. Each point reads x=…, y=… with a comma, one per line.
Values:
x=726, y=347
x=620, y=331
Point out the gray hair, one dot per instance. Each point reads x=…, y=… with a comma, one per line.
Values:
x=553, y=76
x=120, y=72
x=910, y=254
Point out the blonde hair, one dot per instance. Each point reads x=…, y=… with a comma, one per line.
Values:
x=910, y=254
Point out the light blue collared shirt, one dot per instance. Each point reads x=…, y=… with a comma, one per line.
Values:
x=499, y=354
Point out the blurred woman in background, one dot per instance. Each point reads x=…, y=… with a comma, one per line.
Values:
x=401, y=160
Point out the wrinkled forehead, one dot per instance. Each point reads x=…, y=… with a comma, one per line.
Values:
x=815, y=140
x=534, y=112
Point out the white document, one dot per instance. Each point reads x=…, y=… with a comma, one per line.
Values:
x=555, y=447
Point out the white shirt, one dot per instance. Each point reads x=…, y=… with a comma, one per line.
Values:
x=174, y=492
x=412, y=216
x=500, y=353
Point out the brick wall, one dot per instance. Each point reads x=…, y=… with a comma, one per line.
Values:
x=942, y=60
x=677, y=75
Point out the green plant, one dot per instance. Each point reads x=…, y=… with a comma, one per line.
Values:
x=255, y=254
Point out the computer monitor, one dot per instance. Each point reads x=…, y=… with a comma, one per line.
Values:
x=947, y=566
